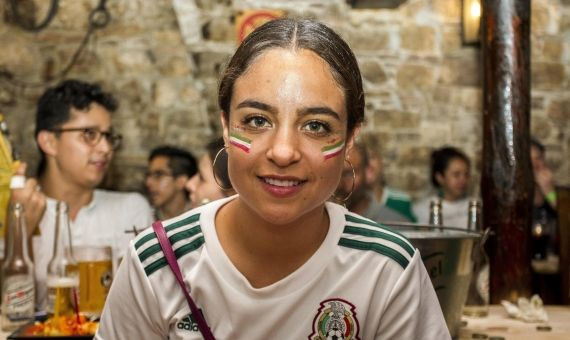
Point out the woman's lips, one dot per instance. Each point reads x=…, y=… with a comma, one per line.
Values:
x=281, y=186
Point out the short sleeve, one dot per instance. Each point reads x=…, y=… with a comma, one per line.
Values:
x=131, y=310
x=413, y=311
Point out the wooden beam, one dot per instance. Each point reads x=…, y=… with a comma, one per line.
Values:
x=507, y=180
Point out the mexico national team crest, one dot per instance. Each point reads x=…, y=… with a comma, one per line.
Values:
x=335, y=320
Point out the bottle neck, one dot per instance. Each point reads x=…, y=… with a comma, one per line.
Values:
x=62, y=238
x=17, y=245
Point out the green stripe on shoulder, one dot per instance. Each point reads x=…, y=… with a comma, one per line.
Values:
x=188, y=220
x=379, y=234
x=185, y=249
x=181, y=235
x=379, y=248
x=402, y=241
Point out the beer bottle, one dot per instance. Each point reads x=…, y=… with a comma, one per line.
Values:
x=18, y=290
x=62, y=271
x=435, y=214
x=477, y=303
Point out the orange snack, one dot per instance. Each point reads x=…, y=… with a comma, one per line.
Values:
x=64, y=326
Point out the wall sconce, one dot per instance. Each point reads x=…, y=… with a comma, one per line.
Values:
x=470, y=21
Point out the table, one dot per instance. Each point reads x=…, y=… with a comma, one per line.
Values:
x=498, y=324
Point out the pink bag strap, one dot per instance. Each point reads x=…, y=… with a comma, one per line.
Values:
x=173, y=264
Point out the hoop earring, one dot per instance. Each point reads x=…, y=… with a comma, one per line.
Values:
x=345, y=199
x=214, y=170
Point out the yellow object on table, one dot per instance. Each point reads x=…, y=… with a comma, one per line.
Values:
x=500, y=326
x=7, y=169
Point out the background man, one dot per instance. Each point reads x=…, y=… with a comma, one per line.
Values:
x=388, y=206
x=169, y=169
x=76, y=143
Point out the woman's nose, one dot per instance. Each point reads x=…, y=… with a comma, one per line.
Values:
x=284, y=148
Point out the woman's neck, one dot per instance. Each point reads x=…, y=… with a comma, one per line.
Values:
x=264, y=252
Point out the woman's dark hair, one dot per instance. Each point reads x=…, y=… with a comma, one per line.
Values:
x=221, y=165
x=54, y=106
x=440, y=160
x=299, y=34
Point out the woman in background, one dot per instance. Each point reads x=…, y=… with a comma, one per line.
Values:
x=205, y=186
x=450, y=178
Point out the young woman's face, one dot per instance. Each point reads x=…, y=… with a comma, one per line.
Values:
x=455, y=179
x=202, y=186
x=287, y=134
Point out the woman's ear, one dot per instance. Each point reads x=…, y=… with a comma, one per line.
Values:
x=225, y=128
x=352, y=137
x=47, y=142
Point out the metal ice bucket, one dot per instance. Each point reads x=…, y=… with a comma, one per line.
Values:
x=446, y=253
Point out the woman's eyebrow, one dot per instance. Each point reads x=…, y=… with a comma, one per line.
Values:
x=319, y=110
x=257, y=105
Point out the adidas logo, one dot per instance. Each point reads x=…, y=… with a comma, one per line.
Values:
x=188, y=323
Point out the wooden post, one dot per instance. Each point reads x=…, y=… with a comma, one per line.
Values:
x=507, y=181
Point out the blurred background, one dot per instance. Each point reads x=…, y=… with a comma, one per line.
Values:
x=162, y=59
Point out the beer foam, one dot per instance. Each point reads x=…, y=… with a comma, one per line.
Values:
x=62, y=282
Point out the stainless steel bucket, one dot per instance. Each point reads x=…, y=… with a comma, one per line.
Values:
x=446, y=253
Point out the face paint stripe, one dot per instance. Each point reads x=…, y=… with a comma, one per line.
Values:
x=331, y=155
x=240, y=142
x=334, y=146
x=333, y=150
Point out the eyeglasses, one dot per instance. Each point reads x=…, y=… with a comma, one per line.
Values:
x=157, y=175
x=92, y=135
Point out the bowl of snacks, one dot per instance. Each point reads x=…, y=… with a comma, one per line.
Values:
x=68, y=327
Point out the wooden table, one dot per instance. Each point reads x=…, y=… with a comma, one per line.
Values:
x=498, y=324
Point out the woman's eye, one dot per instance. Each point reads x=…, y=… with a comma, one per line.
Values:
x=257, y=122
x=317, y=127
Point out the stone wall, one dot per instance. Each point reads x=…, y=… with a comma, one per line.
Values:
x=162, y=59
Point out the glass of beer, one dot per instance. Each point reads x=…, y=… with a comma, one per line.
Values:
x=95, y=276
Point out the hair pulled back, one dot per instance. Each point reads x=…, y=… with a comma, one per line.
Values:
x=299, y=34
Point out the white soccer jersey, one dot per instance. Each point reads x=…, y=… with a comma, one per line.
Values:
x=364, y=282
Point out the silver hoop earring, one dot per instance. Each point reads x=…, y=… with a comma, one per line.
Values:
x=345, y=199
x=214, y=170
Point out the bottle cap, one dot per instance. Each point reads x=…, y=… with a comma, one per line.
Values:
x=17, y=182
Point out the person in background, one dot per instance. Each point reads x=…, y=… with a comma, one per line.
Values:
x=76, y=141
x=169, y=168
x=279, y=260
x=203, y=187
x=450, y=177
x=392, y=206
x=544, y=216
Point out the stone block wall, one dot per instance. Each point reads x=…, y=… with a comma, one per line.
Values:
x=162, y=59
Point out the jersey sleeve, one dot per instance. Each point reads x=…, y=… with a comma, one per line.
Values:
x=131, y=310
x=413, y=311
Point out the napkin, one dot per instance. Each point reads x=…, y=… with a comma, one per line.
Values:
x=527, y=310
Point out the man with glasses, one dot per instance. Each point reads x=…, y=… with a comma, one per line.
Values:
x=76, y=141
x=169, y=169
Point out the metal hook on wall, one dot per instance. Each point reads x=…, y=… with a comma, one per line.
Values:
x=54, y=4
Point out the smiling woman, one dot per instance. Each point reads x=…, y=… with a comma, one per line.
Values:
x=278, y=260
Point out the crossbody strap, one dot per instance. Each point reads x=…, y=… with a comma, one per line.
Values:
x=173, y=264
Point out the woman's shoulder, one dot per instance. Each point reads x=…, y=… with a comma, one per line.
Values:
x=184, y=233
x=370, y=237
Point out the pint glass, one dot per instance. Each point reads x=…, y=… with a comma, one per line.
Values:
x=95, y=276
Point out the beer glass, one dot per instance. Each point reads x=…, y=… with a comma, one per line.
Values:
x=95, y=276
